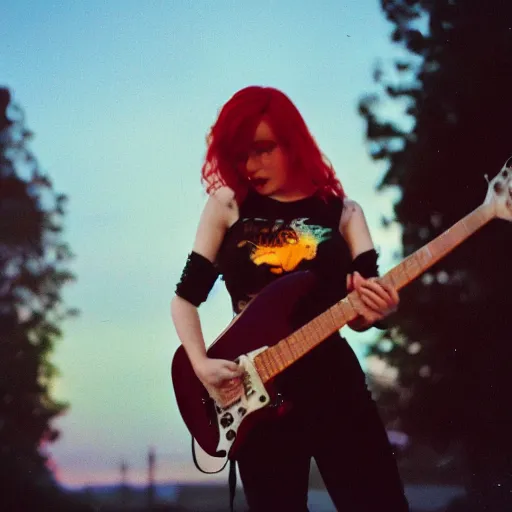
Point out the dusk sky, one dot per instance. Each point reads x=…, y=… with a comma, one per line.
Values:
x=120, y=95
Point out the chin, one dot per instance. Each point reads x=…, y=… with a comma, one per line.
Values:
x=265, y=190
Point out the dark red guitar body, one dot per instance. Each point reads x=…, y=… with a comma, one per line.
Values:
x=265, y=321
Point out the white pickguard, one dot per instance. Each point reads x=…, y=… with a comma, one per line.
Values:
x=254, y=397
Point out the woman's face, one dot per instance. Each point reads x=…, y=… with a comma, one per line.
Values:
x=266, y=165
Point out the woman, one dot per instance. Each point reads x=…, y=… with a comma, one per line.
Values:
x=275, y=207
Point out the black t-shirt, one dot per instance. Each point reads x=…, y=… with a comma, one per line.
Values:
x=272, y=239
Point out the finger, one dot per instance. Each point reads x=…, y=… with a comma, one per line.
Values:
x=369, y=313
x=372, y=300
x=392, y=291
x=357, y=280
x=227, y=375
x=384, y=292
x=233, y=367
x=374, y=284
x=230, y=383
x=391, y=297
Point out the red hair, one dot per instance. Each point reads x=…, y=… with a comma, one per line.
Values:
x=232, y=134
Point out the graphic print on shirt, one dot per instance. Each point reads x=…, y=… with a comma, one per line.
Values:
x=282, y=246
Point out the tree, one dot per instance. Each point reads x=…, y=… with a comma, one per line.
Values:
x=451, y=337
x=33, y=269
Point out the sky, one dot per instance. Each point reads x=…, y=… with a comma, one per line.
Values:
x=120, y=96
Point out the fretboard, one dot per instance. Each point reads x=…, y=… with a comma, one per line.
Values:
x=277, y=358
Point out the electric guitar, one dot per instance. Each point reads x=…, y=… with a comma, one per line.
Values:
x=265, y=349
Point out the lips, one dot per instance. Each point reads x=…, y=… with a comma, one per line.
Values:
x=258, y=182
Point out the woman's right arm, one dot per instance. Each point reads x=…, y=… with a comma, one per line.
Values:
x=217, y=215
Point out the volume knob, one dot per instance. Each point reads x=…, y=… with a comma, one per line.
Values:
x=226, y=420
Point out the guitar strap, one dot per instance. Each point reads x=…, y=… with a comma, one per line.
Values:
x=231, y=478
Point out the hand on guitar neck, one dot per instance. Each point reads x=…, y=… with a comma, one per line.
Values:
x=378, y=300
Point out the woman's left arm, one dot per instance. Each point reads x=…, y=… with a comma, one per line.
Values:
x=378, y=299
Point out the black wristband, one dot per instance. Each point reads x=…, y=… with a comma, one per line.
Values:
x=366, y=264
x=197, y=279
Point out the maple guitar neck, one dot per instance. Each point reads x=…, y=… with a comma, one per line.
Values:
x=277, y=358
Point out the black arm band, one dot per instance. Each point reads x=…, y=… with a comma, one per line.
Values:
x=197, y=279
x=366, y=264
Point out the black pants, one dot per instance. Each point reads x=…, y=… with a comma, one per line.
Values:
x=334, y=420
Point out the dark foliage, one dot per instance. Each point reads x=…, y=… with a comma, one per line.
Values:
x=455, y=89
x=33, y=260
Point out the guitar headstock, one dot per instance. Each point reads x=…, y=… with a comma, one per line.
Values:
x=499, y=193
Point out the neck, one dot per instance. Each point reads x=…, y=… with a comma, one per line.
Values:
x=295, y=194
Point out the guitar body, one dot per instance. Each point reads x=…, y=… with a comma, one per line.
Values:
x=266, y=320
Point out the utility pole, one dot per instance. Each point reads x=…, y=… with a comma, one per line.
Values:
x=124, y=483
x=151, y=477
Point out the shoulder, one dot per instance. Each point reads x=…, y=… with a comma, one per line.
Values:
x=354, y=228
x=217, y=216
x=351, y=212
x=222, y=206
x=224, y=196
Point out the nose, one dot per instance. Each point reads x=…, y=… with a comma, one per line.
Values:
x=252, y=165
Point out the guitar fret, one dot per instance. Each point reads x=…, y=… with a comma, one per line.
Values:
x=464, y=224
x=305, y=335
x=259, y=362
x=473, y=224
x=396, y=277
x=354, y=301
x=297, y=344
x=292, y=345
x=313, y=326
x=300, y=340
x=284, y=351
x=327, y=328
x=346, y=309
x=390, y=279
x=337, y=316
x=261, y=369
x=329, y=324
x=441, y=244
x=411, y=267
x=331, y=320
x=280, y=360
x=274, y=365
x=265, y=360
x=273, y=357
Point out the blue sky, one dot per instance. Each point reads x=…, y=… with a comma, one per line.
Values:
x=120, y=95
